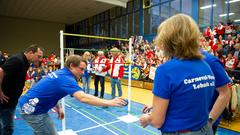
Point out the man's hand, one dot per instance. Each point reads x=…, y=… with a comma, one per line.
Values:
x=144, y=120
x=117, y=102
x=147, y=109
x=3, y=98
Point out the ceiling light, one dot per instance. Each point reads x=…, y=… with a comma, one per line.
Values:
x=232, y=1
x=208, y=6
x=238, y=20
x=222, y=15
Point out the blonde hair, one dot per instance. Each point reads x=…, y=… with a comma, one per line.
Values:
x=178, y=36
x=85, y=55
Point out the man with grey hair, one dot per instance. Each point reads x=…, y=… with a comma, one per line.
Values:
x=101, y=66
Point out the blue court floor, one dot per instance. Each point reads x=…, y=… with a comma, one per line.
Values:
x=89, y=120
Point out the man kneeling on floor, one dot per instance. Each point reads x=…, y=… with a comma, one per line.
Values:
x=47, y=92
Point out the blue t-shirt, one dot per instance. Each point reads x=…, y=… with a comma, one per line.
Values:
x=189, y=86
x=47, y=92
x=221, y=77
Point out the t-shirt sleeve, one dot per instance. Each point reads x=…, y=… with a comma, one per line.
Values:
x=11, y=66
x=161, y=86
x=221, y=77
x=70, y=86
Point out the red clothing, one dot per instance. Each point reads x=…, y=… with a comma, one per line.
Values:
x=101, y=66
x=117, y=67
x=231, y=63
x=220, y=30
x=207, y=32
x=150, y=54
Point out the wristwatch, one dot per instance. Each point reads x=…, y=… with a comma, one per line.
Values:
x=210, y=119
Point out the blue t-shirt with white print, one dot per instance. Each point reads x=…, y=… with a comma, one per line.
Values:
x=189, y=86
x=47, y=92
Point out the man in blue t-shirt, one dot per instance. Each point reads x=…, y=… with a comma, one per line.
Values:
x=45, y=95
x=221, y=94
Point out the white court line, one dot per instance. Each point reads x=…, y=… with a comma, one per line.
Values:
x=97, y=126
x=93, y=120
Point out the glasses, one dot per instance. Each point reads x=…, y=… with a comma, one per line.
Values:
x=81, y=68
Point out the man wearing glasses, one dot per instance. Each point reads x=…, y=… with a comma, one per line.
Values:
x=12, y=79
x=45, y=95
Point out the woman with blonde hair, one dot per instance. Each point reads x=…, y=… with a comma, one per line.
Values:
x=184, y=85
x=86, y=77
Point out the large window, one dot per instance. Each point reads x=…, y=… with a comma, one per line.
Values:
x=136, y=23
x=234, y=14
x=165, y=10
x=156, y=19
x=124, y=26
x=205, y=9
x=220, y=12
x=130, y=25
x=147, y=21
x=175, y=7
x=187, y=7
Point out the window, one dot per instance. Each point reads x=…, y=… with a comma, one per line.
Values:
x=164, y=11
x=175, y=7
x=205, y=12
x=130, y=23
x=147, y=21
x=187, y=7
x=118, y=29
x=219, y=11
x=136, y=23
x=136, y=5
x=130, y=7
x=154, y=2
x=234, y=12
x=156, y=19
x=124, y=26
x=112, y=13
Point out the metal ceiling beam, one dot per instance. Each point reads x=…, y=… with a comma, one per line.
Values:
x=115, y=2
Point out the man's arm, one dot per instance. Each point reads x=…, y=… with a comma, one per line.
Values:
x=3, y=98
x=92, y=100
x=221, y=102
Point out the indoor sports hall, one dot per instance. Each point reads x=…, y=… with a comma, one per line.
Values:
x=120, y=67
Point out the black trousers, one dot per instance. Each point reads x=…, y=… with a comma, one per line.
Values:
x=102, y=82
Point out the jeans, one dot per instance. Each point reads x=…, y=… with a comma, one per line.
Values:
x=114, y=82
x=42, y=124
x=86, y=84
x=6, y=120
x=205, y=130
x=102, y=81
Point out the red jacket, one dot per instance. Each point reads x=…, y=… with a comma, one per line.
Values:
x=117, y=67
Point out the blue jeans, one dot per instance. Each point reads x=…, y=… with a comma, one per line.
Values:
x=205, y=130
x=42, y=124
x=6, y=120
x=86, y=84
x=114, y=82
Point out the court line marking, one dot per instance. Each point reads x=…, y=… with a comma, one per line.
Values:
x=100, y=125
x=152, y=132
x=155, y=133
x=94, y=121
x=120, y=130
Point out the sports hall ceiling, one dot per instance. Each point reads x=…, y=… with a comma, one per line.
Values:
x=61, y=11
